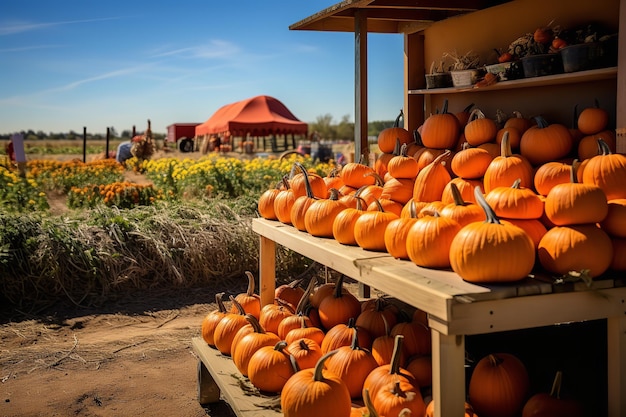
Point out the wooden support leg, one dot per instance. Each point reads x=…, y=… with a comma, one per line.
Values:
x=208, y=391
x=448, y=357
x=616, y=329
x=267, y=270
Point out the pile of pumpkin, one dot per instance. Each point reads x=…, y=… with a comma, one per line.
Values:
x=322, y=349
x=490, y=200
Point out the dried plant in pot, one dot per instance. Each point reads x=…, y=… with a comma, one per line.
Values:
x=439, y=75
x=465, y=69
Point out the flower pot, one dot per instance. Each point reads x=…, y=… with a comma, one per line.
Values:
x=441, y=80
x=465, y=78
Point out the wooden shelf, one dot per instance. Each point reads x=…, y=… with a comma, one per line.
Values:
x=548, y=80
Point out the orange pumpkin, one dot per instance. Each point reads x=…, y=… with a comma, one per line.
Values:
x=468, y=412
x=583, y=247
x=575, y=203
x=480, y=129
x=397, y=231
x=519, y=122
x=352, y=364
x=608, y=171
x=338, y=307
x=429, y=239
x=270, y=368
x=387, y=137
x=431, y=180
x=545, y=142
x=244, y=347
x=506, y=168
x=403, y=165
x=355, y=174
x=466, y=190
x=249, y=301
x=212, y=318
x=369, y=228
x=441, y=130
x=615, y=221
x=341, y=335
x=312, y=392
x=491, y=251
x=319, y=218
x=499, y=386
x=593, y=119
x=306, y=352
x=471, y=163
x=461, y=211
x=551, y=404
x=588, y=145
x=550, y=174
x=515, y=202
x=265, y=205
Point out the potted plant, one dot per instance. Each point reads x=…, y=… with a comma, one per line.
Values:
x=439, y=75
x=464, y=70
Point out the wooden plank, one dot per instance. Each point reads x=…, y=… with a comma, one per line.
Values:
x=267, y=270
x=235, y=389
x=535, y=311
x=448, y=363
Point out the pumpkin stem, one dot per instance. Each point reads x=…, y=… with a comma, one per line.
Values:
x=494, y=360
x=573, y=173
x=220, y=303
x=456, y=195
x=394, y=366
x=444, y=109
x=304, y=300
x=250, y=291
x=318, y=376
x=516, y=183
x=603, y=147
x=294, y=363
x=413, y=209
x=396, y=123
x=505, y=145
x=541, y=122
x=339, y=287
x=237, y=305
x=555, y=392
x=256, y=326
x=379, y=205
x=307, y=182
x=367, y=401
x=355, y=340
x=397, y=147
x=489, y=213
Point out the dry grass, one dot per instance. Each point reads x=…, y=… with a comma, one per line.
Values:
x=90, y=257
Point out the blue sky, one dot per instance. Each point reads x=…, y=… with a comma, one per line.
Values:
x=68, y=64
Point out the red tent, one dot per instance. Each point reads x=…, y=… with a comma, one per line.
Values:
x=256, y=116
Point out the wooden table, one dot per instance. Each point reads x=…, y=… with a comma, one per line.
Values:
x=457, y=308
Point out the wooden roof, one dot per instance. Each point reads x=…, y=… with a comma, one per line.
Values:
x=390, y=16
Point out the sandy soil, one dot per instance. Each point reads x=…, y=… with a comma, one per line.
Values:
x=131, y=358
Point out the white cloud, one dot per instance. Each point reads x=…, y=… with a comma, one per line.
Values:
x=11, y=28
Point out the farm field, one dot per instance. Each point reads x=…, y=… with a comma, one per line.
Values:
x=130, y=355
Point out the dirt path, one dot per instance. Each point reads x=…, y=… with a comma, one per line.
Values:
x=132, y=358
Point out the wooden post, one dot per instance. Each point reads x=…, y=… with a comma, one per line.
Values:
x=84, y=143
x=106, y=150
x=360, y=78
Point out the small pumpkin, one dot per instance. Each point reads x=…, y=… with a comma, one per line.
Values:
x=244, y=347
x=403, y=165
x=306, y=352
x=249, y=301
x=397, y=231
x=615, y=221
x=355, y=174
x=341, y=335
x=369, y=228
x=463, y=212
x=338, y=307
x=320, y=215
x=431, y=180
x=550, y=174
x=592, y=120
x=228, y=327
x=212, y=318
x=265, y=205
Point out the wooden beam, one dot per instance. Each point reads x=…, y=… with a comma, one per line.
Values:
x=361, y=147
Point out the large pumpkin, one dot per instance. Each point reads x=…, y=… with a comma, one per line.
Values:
x=480, y=129
x=543, y=404
x=499, y=386
x=429, y=239
x=491, y=251
x=576, y=248
x=608, y=171
x=441, y=130
x=545, y=142
x=314, y=393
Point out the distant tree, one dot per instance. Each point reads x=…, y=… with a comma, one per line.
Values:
x=112, y=132
x=126, y=134
x=345, y=129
